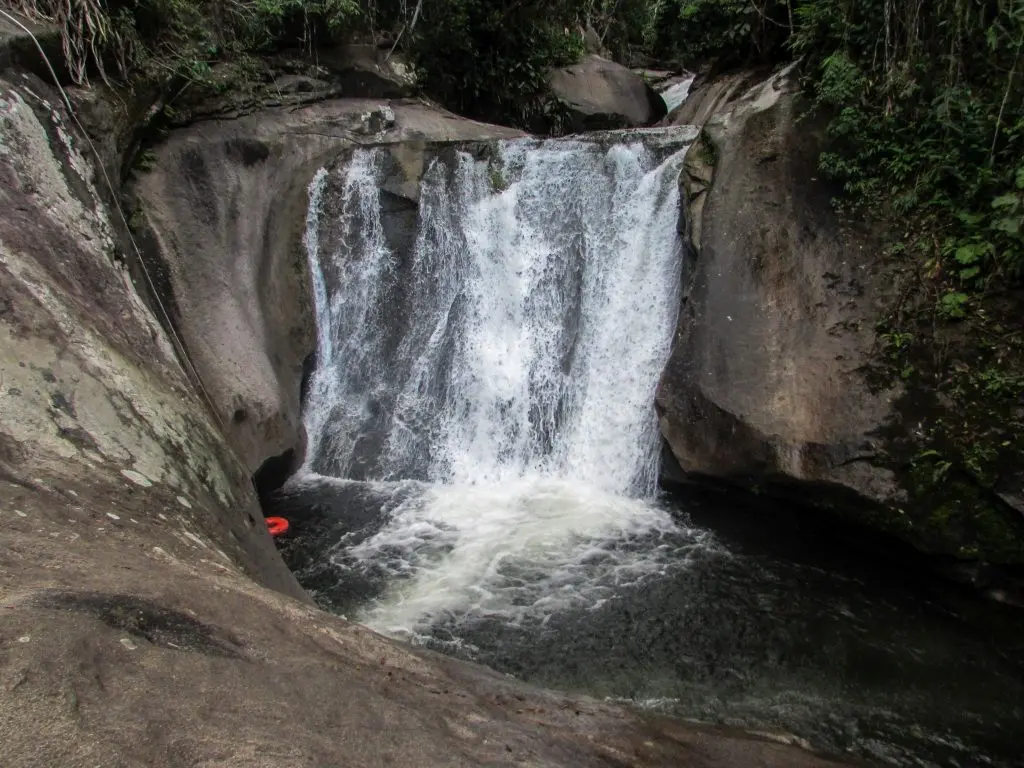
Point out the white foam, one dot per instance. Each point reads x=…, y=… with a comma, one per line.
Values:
x=536, y=316
x=519, y=549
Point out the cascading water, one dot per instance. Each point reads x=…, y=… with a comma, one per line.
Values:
x=482, y=461
x=508, y=365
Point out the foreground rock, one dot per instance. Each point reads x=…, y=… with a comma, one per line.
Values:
x=600, y=94
x=146, y=616
x=125, y=646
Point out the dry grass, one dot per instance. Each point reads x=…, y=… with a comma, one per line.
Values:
x=88, y=34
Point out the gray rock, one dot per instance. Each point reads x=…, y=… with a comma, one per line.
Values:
x=106, y=434
x=602, y=94
x=707, y=97
x=17, y=46
x=592, y=42
x=765, y=384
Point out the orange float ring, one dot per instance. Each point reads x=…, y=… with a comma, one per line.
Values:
x=277, y=525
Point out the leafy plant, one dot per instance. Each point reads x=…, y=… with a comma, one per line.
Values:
x=490, y=58
x=953, y=306
x=145, y=161
x=169, y=39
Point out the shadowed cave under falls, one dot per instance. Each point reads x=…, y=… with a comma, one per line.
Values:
x=483, y=462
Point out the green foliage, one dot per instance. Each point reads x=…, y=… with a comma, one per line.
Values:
x=726, y=25
x=630, y=29
x=270, y=23
x=698, y=32
x=180, y=39
x=145, y=161
x=896, y=342
x=496, y=175
x=953, y=306
x=926, y=106
x=708, y=153
x=483, y=58
x=490, y=58
x=927, y=119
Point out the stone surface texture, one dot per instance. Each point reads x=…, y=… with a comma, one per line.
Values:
x=766, y=385
x=601, y=94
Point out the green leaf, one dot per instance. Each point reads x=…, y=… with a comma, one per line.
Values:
x=1006, y=201
x=951, y=306
x=1010, y=225
x=970, y=273
x=967, y=254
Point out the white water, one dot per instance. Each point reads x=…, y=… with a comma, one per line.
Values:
x=508, y=364
x=676, y=94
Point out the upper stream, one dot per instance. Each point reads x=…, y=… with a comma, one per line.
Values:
x=483, y=460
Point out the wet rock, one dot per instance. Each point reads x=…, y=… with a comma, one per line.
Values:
x=710, y=96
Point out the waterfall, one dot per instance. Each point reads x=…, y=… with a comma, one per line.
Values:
x=493, y=383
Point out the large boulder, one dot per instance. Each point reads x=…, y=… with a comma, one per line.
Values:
x=600, y=94
x=779, y=379
x=766, y=386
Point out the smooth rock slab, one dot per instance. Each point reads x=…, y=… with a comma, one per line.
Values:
x=114, y=652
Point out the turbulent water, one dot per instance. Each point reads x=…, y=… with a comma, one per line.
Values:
x=483, y=458
x=506, y=365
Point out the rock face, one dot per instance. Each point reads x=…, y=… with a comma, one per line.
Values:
x=707, y=97
x=765, y=385
x=601, y=94
x=93, y=402
x=224, y=208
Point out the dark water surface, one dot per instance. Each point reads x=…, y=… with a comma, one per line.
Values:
x=774, y=627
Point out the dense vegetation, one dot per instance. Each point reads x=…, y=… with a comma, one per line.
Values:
x=925, y=110
x=486, y=58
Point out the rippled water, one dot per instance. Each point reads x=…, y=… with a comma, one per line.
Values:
x=760, y=628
